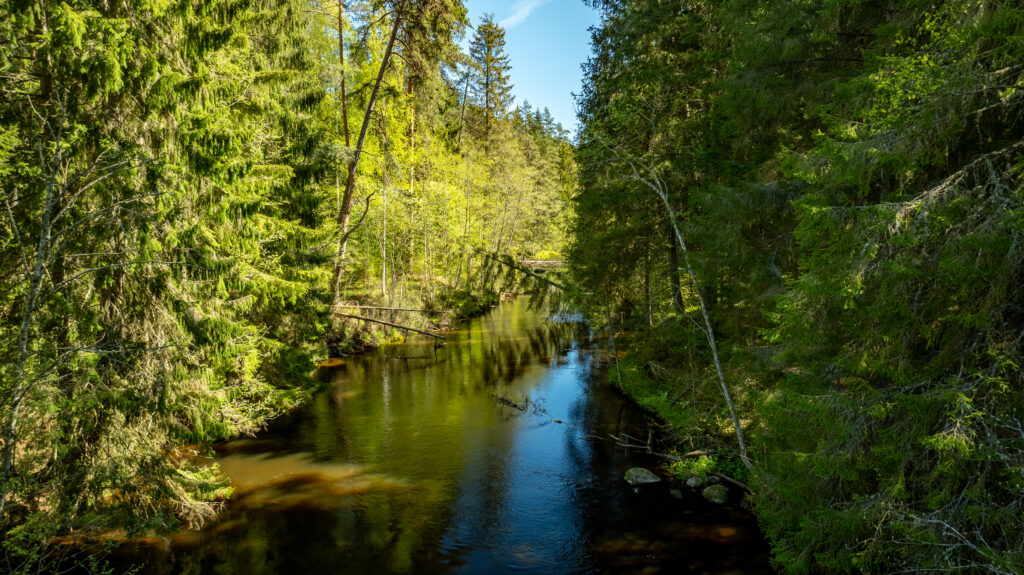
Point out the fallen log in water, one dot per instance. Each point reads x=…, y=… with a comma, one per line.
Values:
x=521, y=269
x=397, y=309
x=389, y=324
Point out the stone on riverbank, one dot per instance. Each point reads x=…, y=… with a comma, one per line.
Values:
x=694, y=482
x=640, y=476
x=716, y=494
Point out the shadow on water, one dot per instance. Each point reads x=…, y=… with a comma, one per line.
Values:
x=483, y=456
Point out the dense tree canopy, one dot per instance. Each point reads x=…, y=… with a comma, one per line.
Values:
x=190, y=192
x=847, y=178
x=808, y=212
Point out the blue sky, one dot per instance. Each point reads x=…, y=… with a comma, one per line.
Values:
x=546, y=41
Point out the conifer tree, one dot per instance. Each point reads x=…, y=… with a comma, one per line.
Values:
x=845, y=175
x=492, y=87
x=171, y=181
x=150, y=224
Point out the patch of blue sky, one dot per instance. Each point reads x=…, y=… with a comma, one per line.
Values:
x=547, y=42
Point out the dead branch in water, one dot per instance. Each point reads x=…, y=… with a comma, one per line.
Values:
x=510, y=403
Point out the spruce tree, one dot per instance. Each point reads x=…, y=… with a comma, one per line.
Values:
x=492, y=86
x=157, y=177
x=849, y=173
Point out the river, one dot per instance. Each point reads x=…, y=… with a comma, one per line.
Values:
x=490, y=454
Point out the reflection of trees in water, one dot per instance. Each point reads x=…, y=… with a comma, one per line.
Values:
x=629, y=531
x=435, y=429
x=505, y=358
x=363, y=419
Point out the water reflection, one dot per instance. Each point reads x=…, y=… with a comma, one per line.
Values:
x=414, y=463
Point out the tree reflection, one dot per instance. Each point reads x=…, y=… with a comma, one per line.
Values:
x=410, y=464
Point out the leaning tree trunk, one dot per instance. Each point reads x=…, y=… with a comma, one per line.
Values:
x=673, y=264
x=658, y=187
x=708, y=330
x=345, y=213
x=10, y=434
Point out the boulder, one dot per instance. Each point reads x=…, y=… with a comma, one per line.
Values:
x=640, y=476
x=716, y=494
x=694, y=482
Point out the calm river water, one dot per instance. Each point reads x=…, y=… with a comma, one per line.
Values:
x=416, y=462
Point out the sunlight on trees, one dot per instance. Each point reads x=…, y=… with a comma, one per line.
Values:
x=189, y=191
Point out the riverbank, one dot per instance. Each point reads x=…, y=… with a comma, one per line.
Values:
x=694, y=449
x=409, y=462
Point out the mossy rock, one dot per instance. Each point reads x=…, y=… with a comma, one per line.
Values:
x=716, y=494
x=640, y=476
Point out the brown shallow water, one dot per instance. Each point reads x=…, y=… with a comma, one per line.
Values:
x=427, y=464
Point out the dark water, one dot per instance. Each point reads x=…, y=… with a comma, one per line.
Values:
x=420, y=465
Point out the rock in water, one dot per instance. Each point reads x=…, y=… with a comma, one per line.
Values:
x=641, y=476
x=694, y=482
x=716, y=494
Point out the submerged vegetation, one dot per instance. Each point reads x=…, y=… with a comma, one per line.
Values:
x=846, y=177
x=193, y=192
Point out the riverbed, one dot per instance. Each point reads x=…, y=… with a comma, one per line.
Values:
x=489, y=454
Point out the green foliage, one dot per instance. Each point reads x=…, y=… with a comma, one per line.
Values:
x=466, y=304
x=170, y=179
x=700, y=467
x=490, y=68
x=848, y=173
x=652, y=395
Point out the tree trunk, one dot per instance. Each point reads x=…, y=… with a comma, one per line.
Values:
x=341, y=60
x=465, y=230
x=31, y=299
x=673, y=262
x=345, y=214
x=515, y=220
x=708, y=329
x=647, y=285
x=504, y=217
x=465, y=99
x=658, y=187
x=384, y=248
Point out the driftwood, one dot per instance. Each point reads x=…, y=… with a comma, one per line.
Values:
x=389, y=324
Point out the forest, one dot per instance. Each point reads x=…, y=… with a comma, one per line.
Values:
x=801, y=219
x=814, y=206
x=195, y=193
